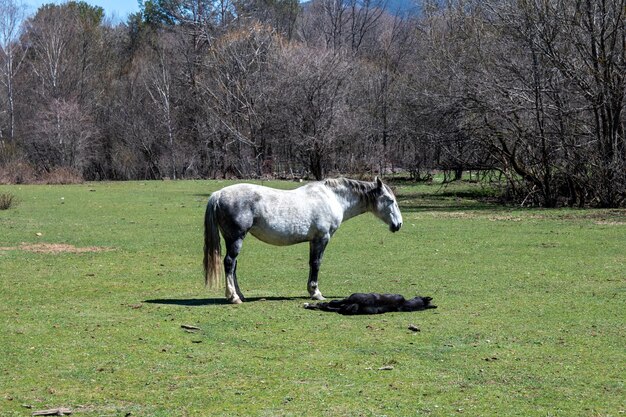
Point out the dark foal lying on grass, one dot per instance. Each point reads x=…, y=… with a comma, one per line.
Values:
x=372, y=303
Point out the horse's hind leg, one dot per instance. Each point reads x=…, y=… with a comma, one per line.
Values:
x=233, y=293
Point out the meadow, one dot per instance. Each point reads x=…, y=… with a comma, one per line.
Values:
x=103, y=310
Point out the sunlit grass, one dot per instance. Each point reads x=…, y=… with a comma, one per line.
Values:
x=530, y=318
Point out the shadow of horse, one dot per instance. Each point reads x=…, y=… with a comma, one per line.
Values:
x=200, y=302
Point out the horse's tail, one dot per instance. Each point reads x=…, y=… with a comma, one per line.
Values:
x=212, y=249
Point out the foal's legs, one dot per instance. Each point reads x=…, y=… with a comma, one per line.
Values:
x=233, y=293
x=316, y=252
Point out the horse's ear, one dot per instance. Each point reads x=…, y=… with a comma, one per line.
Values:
x=379, y=183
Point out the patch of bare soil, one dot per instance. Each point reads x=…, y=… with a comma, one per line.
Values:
x=55, y=248
x=483, y=214
x=451, y=214
x=504, y=218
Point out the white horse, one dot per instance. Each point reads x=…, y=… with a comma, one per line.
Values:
x=311, y=213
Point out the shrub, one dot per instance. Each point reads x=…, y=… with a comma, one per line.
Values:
x=62, y=175
x=17, y=172
x=7, y=200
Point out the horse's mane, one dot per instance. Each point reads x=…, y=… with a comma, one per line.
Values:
x=366, y=191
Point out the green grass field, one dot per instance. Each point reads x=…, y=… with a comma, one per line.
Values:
x=531, y=318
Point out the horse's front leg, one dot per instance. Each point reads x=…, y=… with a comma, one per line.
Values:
x=316, y=252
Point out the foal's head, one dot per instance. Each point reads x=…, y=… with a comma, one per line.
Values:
x=417, y=303
x=386, y=207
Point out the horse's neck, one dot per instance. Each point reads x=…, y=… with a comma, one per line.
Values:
x=351, y=203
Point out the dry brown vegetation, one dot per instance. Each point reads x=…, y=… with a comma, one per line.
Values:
x=53, y=248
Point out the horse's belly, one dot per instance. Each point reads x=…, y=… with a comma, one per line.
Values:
x=280, y=237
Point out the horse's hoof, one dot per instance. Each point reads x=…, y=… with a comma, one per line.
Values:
x=235, y=301
x=318, y=297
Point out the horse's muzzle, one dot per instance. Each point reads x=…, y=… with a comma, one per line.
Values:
x=395, y=227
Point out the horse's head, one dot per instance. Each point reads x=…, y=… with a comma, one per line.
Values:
x=386, y=207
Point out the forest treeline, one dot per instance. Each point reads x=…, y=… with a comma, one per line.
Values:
x=531, y=90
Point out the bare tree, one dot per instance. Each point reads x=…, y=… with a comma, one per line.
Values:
x=381, y=83
x=12, y=54
x=61, y=82
x=570, y=95
x=281, y=15
x=64, y=45
x=63, y=136
x=159, y=85
x=340, y=25
x=315, y=102
x=540, y=85
x=236, y=92
x=533, y=89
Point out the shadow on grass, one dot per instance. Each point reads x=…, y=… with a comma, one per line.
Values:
x=427, y=204
x=448, y=202
x=199, y=302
